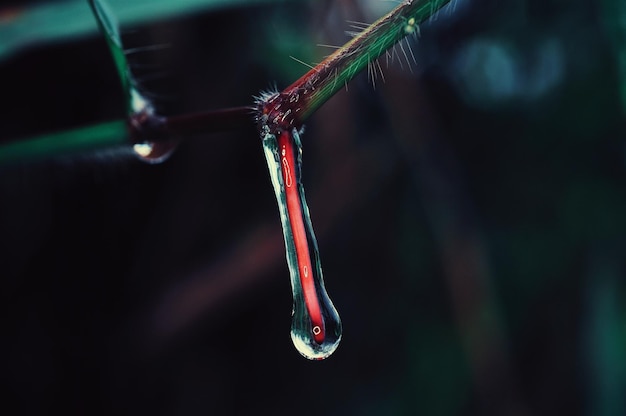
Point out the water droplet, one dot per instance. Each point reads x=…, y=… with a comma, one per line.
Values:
x=155, y=152
x=315, y=327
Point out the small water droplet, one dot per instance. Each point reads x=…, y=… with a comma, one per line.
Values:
x=155, y=152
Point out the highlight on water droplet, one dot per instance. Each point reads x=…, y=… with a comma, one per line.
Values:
x=316, y=327
x=155, y=152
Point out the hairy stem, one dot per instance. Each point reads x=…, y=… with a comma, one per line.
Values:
x=290, y=108
x=339, y=68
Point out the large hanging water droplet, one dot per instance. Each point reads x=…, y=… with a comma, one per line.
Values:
x=315, y=327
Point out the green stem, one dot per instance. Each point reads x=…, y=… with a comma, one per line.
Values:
x=339, y=68
x=98, y=136
x=290, y=108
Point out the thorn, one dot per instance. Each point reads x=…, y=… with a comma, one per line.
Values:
x=405, y=56
x=301, y=62
x=408, y=45
x=382, y=76
x=328, y=46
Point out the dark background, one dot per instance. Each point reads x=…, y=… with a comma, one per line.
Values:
x=470, y=213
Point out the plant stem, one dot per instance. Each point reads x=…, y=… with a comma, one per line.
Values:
x=209, y=121
x=291, y=107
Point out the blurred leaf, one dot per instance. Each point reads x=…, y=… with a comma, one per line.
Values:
x=108, y=25
x=615, y=25
x=58, y=21
x=606, y=338
x=86, y=138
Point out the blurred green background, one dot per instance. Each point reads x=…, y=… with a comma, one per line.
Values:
x=470, y=212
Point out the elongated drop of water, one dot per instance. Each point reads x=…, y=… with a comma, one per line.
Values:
x=315, y=326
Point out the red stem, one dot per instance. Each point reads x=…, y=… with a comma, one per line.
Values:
x=210, y=121
x=153, y=128
x=294, y=210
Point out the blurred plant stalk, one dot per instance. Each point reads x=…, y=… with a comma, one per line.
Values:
x=614, y=16
x=55, y=21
